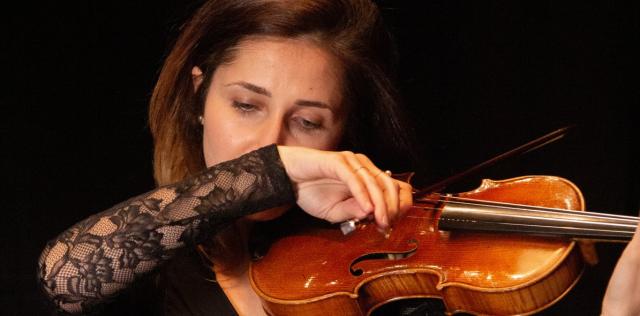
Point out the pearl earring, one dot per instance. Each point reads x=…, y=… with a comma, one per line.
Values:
x=201, y=119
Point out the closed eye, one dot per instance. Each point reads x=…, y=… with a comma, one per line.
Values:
x=244, y=107
x=308, y=125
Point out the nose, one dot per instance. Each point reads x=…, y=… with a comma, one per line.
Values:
x=273, y=132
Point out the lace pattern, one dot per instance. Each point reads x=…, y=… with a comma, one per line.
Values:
x=105, y=253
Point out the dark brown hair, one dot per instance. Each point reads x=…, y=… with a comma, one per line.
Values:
x=352, y=30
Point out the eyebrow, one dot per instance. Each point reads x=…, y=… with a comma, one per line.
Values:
x=265, y=92
x=316, y=104
x=251, y=87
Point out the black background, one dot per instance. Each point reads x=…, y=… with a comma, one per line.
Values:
x=479, y=77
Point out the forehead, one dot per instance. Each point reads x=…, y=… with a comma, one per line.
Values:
x=291, y=65
x=279, y=51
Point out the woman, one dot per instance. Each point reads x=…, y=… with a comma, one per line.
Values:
x=622, y=296
x=242, y=76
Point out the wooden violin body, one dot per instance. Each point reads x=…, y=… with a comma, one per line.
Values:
x=320, y=271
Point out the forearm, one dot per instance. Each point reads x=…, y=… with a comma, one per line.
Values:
x=623, y=291
x=105, y=253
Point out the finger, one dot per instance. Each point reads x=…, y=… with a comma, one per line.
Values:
x=374, y=189
x=347, y=210
x=390, y=187
x=406, y=198
x=391, y=194
x=358, y=188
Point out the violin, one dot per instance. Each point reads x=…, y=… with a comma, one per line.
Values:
x=509, y=247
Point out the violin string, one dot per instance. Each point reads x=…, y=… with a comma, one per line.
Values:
x=528, y=207
x=511, y=206
x=624, y=230
x=573, y=215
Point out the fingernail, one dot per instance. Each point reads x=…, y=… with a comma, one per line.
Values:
x=386, y=232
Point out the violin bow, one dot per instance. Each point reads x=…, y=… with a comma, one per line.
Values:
x=349, y=226
x=530, y=146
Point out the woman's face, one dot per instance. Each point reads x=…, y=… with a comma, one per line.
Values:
x=275, y=90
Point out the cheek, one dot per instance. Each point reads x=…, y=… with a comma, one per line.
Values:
x=329, y=139
x=225, y=137
x=209, y=145
x=218, y=141
x=333, y=139
x=329, y=143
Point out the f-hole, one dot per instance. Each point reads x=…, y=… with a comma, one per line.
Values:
x=398, y=255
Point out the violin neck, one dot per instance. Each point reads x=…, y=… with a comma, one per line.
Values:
x=512, y=218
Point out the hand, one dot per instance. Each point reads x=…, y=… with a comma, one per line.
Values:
x=623, y=292
x=339, y=186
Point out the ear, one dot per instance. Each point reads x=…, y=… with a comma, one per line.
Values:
x=196, y=77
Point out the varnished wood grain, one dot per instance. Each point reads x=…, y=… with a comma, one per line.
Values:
x=308, y=272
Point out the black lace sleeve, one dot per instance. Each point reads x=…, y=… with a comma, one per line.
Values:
x=103, y=254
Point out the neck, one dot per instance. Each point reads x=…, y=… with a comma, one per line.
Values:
x=233, y=277
x=459, y=213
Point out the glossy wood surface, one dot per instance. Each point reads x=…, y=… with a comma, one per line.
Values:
x=319, y=271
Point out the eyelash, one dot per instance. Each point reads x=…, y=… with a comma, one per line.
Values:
x=309, y=125
x=306, y=125
x=244, y=108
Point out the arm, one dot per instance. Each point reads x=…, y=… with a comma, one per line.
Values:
x=623, y=292
x=103, y=254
